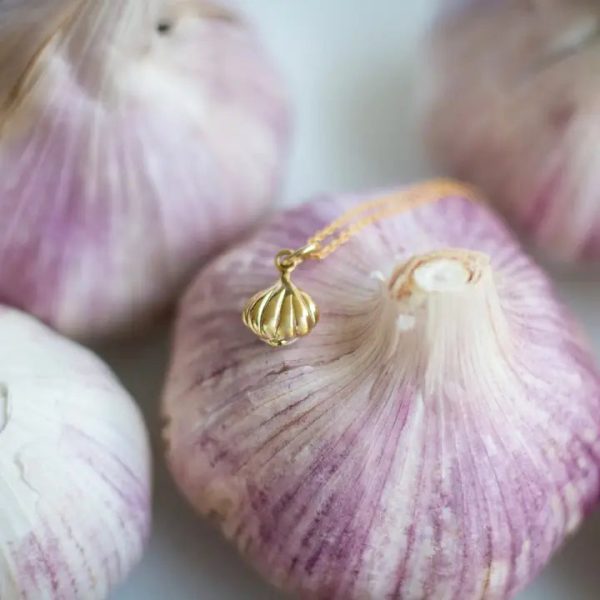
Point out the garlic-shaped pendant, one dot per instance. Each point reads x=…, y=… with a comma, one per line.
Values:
x=436, y=436
x=282, y=313
x=137, y=137
x=74, y=469
x=527, y=125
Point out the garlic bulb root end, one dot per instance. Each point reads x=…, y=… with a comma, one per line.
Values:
x=439, y=271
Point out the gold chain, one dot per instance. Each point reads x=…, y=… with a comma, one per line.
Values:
x=383, y=208
x=283, y=313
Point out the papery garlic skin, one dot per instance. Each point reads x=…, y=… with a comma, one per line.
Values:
x=436, y=436
x=74, y=469
x=514, y=106
x=136, y=138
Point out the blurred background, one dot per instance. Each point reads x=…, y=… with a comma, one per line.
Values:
x=350, y=66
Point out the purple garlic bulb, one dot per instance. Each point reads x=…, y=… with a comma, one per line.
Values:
x=515, y=108
x=136, y=138
x=437, y=435
x=74, y=469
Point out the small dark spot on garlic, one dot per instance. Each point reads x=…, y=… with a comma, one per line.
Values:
x=164, y=27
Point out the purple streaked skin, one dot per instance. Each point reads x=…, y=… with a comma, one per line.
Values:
x=75, y=478
x=118, y=180
x=448, y=460
x=527, y=125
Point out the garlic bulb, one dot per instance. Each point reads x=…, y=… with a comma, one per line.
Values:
x=74, y=469
x=515, y=108
x=136, y=138
x=436, y=436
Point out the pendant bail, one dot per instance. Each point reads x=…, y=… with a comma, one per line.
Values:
x=287, y=260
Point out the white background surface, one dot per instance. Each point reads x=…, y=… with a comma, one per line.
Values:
x=350, y=66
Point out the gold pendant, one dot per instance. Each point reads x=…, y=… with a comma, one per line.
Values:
x=282, y=313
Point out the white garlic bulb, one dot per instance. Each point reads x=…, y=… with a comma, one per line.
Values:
x=515, y=108
x=136, y=138
x=436, y=436
x=74, y=469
